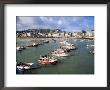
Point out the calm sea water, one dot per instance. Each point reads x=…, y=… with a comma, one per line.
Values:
x=80, y=61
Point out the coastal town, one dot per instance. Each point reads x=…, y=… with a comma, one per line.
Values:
x=55, y=33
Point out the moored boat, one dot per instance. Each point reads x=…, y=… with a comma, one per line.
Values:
x=23, y=47
x=46, y=41
x=29, y=46
x=54, y=40
x=46, y=60
x=19, y=49
x=19, y=71
x=69, y=47
x=34, y=44
x=23, y=67
x=65, y=43
x=90, y=45
x=27, y=66
x=59, y=53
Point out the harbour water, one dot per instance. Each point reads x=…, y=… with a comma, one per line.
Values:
x=80, y=60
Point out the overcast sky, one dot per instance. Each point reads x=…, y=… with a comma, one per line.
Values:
x=65, y=23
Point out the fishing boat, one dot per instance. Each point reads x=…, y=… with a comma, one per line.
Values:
x=27, y=66
x=54, y=40
x=62, y=42
x=19, y=71
x=59, y=50
x=69, y=47
x=90, y=45
x=34, y=44
x=46, y=60
x=19, y=49
x=40, y=42
x=29, y=46
x=23, y=67
x=65, y=43
x=46, y=41
x=34, y=65
x=23, y=47
x=65, y=49
x=59, y=53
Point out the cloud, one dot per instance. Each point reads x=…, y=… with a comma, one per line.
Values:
x=70, y=23
x=59, y=22
x=50, y=19
x=26, y=20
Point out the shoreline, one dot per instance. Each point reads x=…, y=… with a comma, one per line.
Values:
x=20, y=38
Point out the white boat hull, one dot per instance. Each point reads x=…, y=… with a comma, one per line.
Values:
x=60, y=55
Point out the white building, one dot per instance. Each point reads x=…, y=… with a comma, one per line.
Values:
x=89, y=33
x=61, y=34
x=49, y=35
x=55, y=35
x=29, y=34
